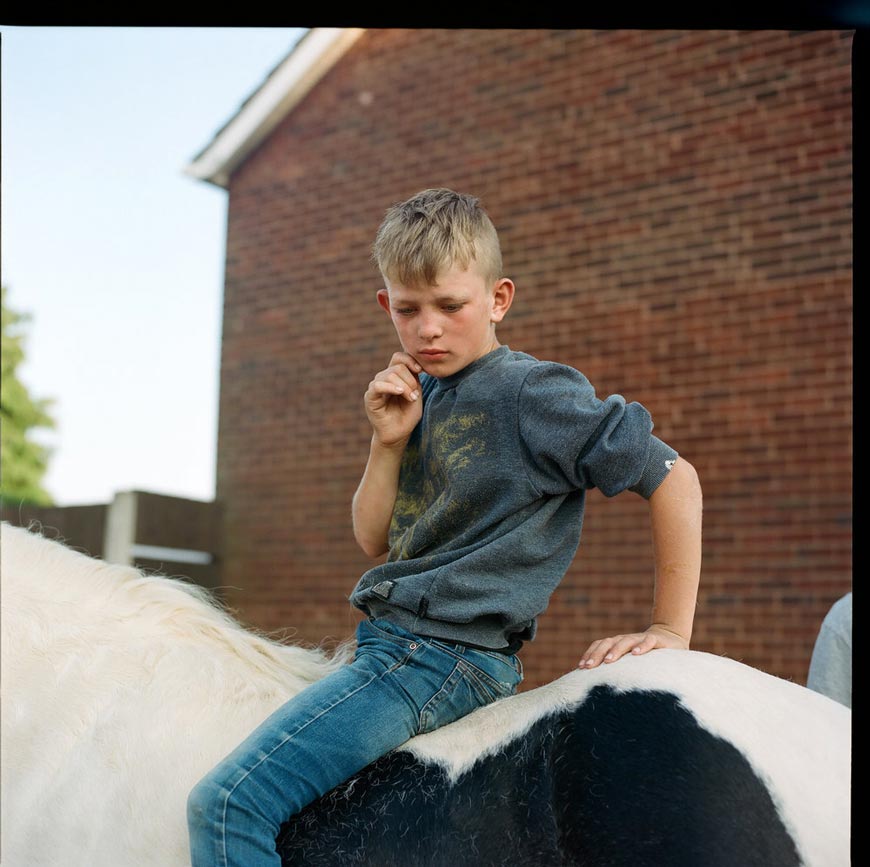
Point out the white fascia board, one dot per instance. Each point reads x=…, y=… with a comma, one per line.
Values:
x=312, y=58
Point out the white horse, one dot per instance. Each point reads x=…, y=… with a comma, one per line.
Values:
x=120, y=690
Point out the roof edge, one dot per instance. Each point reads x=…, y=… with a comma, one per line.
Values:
x=312, y=57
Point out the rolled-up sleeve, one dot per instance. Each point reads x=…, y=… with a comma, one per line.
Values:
x=577, y=441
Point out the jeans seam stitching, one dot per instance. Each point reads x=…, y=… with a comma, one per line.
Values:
x=484, y=679
x=467, y=659
x=277, y=747
x=473, y=667
x=435, y=699
x=404, y=661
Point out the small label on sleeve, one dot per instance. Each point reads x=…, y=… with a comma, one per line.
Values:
x=383, y=589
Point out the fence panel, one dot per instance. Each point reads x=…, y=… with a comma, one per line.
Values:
x=80, y=527
x=159, y=533
x=177, y=536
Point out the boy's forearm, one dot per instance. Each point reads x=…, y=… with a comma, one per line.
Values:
x=675, y=513
x=375, y=498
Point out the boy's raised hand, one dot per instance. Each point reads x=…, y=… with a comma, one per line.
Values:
x=610, y=649
x=392, y=400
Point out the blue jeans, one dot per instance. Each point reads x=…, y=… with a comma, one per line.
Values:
x=398, y=685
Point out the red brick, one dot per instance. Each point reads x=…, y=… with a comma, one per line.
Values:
x=674, y=208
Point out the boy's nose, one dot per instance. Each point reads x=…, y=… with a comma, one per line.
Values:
x=429, y=327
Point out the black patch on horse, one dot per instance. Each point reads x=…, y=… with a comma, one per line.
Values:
x=623, y=780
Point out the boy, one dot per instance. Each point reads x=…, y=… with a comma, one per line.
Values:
x=474, y=484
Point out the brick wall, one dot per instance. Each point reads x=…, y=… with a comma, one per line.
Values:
x=675, y=209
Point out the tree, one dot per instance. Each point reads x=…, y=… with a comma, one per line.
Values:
x=22, y=462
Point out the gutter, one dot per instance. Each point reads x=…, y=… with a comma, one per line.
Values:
x=313, y=56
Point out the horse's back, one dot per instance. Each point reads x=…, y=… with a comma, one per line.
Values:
x=676, y=757
x=120, y=692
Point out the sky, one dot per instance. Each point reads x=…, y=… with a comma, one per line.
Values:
x=116, y=254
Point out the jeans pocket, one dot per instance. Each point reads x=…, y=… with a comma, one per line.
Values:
x=465, y=689
x=494, y=675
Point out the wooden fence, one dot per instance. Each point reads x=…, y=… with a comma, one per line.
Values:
x=170, y=535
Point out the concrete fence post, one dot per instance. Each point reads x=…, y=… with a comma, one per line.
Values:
x=120, y=533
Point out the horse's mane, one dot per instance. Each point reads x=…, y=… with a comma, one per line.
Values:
x=38, y=571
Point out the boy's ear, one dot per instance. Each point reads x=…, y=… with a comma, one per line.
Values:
x=502, y=298
x=384, y=300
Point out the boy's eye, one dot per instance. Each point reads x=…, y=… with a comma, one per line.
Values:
x=405, y=311
x=452, y=308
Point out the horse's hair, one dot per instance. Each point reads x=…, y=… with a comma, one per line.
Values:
x=120, y=690
x=60, y=576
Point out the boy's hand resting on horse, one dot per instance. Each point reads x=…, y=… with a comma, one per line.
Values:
x=392, y=400
x=617, y=646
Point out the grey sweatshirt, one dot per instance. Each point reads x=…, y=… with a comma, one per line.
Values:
x=491, y=496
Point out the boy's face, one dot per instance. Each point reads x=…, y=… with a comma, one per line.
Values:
x=448, y=325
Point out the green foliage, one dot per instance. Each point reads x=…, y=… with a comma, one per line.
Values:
x=22, y=462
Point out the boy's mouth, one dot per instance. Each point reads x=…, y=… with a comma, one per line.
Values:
x=432, y=354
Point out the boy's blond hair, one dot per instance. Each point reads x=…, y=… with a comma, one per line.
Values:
x=423, y=237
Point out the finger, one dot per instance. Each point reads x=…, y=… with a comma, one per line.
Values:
x=404, y=373
x=395, y=382
x=406, y=376
x=597, y=651
x=650, y=642
x=408, y=360
x=589, y=651
x=623, y=646
x=587, y=655
x=637, y=644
